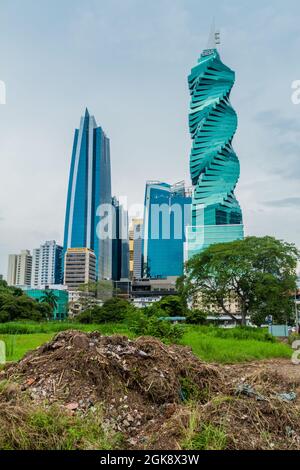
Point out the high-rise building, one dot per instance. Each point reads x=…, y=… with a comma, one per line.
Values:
x=120, y=242
x=89, y=191
x=135, y=248
x=12, y=270
x=167, y=214
x=47, y=265
x=19, y=269
x=214, y=166
x=80, y=267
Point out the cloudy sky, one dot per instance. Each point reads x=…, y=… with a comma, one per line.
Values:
x=128, y=61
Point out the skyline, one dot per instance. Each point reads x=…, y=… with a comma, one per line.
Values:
x=136, y=86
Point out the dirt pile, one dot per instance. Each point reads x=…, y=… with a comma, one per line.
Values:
x=158, y=396
x=136, y=381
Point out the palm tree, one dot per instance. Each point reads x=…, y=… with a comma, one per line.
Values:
x=51, y=299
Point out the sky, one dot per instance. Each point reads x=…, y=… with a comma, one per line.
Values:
x=128, y=62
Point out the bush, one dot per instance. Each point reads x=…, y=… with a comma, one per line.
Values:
x=196, y=317
x=141, y=325
x=87, y=317
x=114, y=310
x=20, y=307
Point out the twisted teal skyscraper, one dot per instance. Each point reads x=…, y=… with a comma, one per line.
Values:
x=214, y=166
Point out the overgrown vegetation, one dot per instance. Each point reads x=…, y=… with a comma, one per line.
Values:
x=142, y=325
x=208, y=343
x=230, y=346
x=113, y=310
x=15, y=305
x=209, y=437
x=24, y=426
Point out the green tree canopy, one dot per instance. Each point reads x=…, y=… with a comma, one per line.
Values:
x=259, y=272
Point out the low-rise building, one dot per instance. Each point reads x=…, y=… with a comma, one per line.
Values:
x=155, y=288
x=62, y=295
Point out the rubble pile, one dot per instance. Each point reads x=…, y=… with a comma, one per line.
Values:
x=156, y=395
x=134, y=381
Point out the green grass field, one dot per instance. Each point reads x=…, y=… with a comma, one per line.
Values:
x=208, y=343
x=230, y=350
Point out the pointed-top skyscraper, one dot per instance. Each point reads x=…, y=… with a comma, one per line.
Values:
x=214, y=166
x=89, y=187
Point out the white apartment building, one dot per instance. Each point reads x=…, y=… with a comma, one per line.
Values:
x=19, y=269
x=47, y=265
x=135, y=248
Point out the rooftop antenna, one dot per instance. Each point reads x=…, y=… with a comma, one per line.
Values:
x=214, y=39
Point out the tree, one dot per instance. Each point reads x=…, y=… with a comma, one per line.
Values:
x=196, y=317
x=103, y=290
x=115, y=310
x=51, y=299
x=172, y=306
x=22, y=308
x=259, y=272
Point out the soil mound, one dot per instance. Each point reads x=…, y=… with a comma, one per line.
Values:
x=158, y=397
x=135, y=381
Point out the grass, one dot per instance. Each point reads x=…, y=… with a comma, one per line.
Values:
x=18, y=345
x=209, y=438
x=208, y=343
x=226, y=348
x=202, y=436
x=30, y=427
x=28, y=328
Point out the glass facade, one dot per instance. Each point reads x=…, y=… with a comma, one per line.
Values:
x=120, y=242
x=167, y=214
x=214, y=166
x=89, y=188
x=61, y=312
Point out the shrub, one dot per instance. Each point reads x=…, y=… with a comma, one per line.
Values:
x=142, y=325
x=196, y=317
x=20, y=307
x=114, y=310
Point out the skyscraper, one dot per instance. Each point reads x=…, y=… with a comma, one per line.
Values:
x=167, y=214
x=135, y=248
x=214, y=166
x=19, y=269
x=89, y=189
x=120, y=242
x=47, y=264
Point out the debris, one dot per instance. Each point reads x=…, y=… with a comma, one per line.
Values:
x=131, y=380
x=72, y=406
x=287, y=397
x=249, y=391
x=153, y=394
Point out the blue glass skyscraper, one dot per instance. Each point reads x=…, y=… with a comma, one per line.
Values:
x=120, y=243
x=167, y=213
x=214, y=166
x=89, y=188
